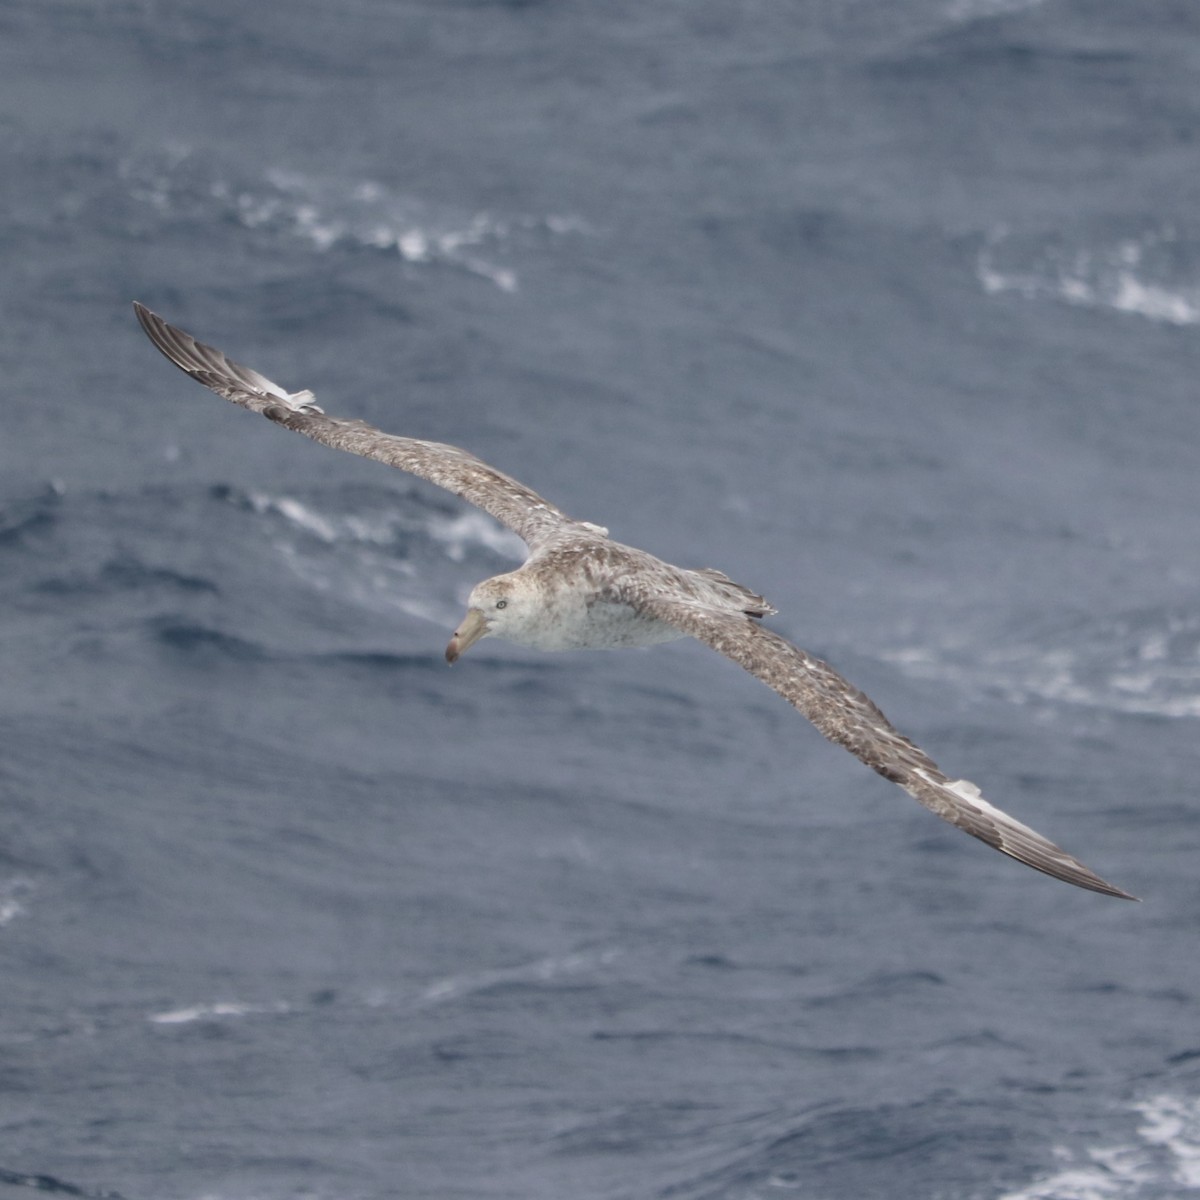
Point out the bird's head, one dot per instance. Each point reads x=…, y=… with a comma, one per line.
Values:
x=493, y=608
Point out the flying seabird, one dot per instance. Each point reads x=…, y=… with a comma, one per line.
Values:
x=579, y=589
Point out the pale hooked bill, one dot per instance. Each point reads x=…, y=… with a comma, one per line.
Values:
x=579, y=589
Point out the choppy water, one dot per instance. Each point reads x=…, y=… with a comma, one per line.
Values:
x=891, y=310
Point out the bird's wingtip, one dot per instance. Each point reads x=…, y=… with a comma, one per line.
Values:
x=146, y=317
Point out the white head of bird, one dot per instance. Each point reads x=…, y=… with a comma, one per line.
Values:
x=495, y=608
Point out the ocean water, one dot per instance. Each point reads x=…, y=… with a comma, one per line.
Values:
x=888, y=308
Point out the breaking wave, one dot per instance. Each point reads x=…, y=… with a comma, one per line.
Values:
x=1152, y=273
x=332, y=213
x=1160, y=1159
x=1145, y=662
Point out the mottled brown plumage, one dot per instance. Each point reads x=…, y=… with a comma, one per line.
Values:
x=580, y=589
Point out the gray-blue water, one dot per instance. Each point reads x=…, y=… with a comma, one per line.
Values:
x=889, y=308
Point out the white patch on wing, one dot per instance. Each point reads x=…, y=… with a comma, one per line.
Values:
x=969, y=792
x=267, y=386
x=302, y=401
x=966, y=789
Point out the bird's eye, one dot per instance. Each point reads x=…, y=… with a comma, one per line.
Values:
x=501, y=603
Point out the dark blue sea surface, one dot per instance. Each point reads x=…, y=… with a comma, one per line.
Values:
x=888, y=308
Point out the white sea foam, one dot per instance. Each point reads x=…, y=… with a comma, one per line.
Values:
x=328, y=213
x=1146, y=664
x=222, y=1008
x=1153, y=274
x=13, y=893
x=457, y=533
x=356, y=555
x=1161, y=1158
x=542, y=970
x=369, y=529
x=300, y=515
x=470, y=528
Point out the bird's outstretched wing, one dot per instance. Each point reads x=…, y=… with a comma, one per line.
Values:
x=847, y=716
x=509, y=501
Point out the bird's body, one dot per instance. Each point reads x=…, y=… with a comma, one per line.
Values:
x=579, y=589
x=573, y=595
x=569, y=615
